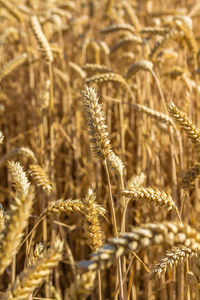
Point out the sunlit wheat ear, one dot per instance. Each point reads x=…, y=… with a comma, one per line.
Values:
x=34, y=275
x=145, y=236
x=144, y=65
x=68, y=206
x=12, y=9
x=12, y=65
x=190, y=176
x=18, y=152
x=153, y=195
x=171, y=259
x=40, y=177
x=91, y=225
x=11, y=235
x=19, y=178
x=186, y=124
x=41, y=39
x=37, y=253
x=96, y=123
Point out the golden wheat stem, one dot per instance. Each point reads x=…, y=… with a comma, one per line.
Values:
x=112, y=209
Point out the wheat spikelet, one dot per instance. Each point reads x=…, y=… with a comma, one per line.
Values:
x=17, y=152
x=190, y=176
x=144, y=65
x=171, y=259
x=12, y=65
x=171, y=233
x=19, y=179
x=130, y=40
x=96, y=68
x=34, y=275
x=41, y=39
x=37, y=252
x=118, y=27
x=154, y=30
x=116, y=163
x=153, y=195
x=91, y=225
x=11, y=235
x=41, y=178
x=96, y=123
x=12, y=9
x=184, y=122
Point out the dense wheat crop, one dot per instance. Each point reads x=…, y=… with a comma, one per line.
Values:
x=99, y=149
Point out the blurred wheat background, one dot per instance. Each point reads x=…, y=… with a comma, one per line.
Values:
x=100, y=149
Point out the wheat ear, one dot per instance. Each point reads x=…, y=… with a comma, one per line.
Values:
x=184, y=122
x=171, y=233
x=153, y=195
x=34, y=275
x=91, y=225
x=96, y=123
x=171, y=259
x=11, y=235
x=12, y=65
x=41, y=39
x=41, y=178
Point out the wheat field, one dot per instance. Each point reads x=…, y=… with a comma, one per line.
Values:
x=99, y=150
